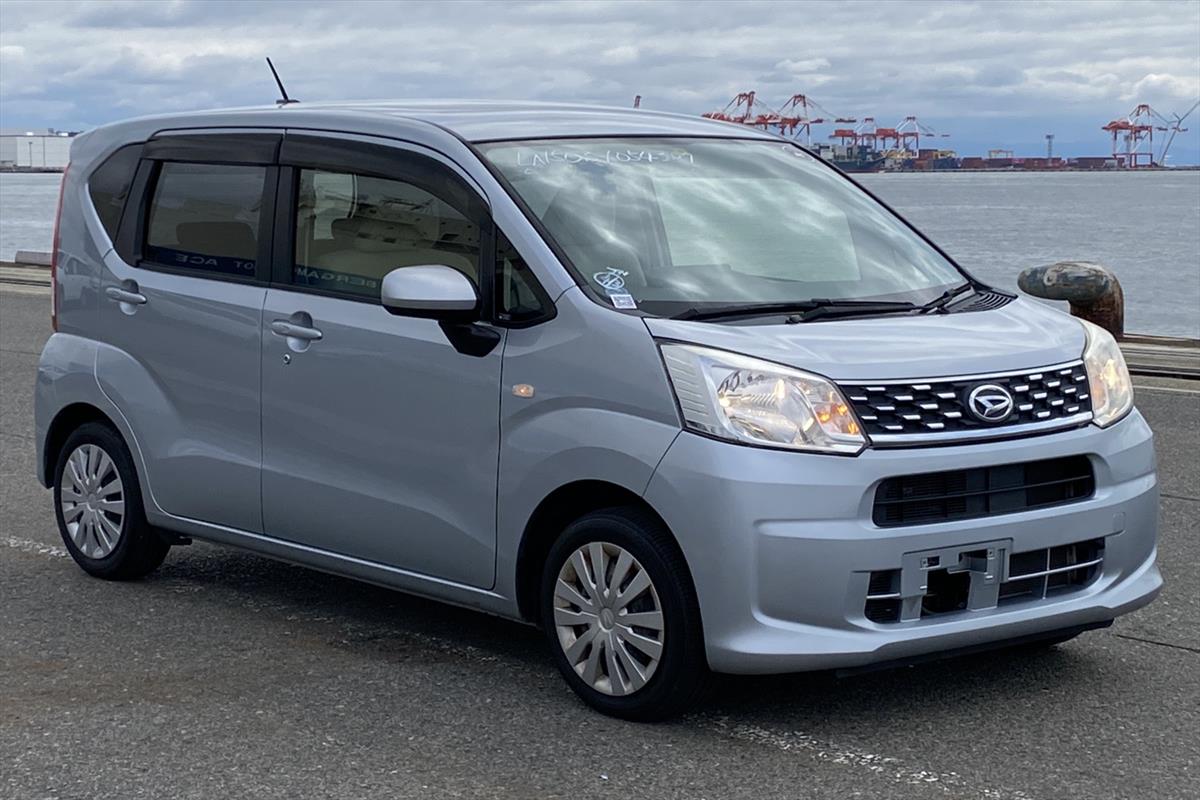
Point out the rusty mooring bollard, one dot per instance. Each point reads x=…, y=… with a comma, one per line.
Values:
x=1092, y=290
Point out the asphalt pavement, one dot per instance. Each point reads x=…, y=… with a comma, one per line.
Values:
x=227, y=675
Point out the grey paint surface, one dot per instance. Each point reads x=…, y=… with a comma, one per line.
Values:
x=1016, y=336
x=380, y=441
x=350, y=485
x=602, y=411
x=434, y=288
x=185, y=370
x=761, y=530
x=485, y=120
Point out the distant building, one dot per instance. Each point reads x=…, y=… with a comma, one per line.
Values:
x=38, y=149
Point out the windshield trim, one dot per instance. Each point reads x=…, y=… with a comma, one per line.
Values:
x=578, y=276
x=739, y=136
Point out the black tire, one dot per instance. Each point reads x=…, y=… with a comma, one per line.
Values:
x=681, y=676
x=139, y=549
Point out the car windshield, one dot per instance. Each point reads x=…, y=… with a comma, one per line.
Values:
x=676, y=225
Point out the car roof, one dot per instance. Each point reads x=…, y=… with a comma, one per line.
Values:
x=489, y=120
x=479, y=120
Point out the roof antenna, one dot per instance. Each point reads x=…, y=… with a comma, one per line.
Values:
x=285, y=100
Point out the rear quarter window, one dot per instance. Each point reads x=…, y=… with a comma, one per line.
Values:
x=205, y=217
x=109, y=185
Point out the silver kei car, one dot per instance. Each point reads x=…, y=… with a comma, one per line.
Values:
x=677, y=391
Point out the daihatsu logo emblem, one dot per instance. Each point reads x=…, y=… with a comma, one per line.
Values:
x=990, y=403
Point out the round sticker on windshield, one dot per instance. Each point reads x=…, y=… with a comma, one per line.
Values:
x=611, y=279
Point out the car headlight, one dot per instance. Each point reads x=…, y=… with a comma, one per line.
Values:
x=1108, y=377
x=746, y=400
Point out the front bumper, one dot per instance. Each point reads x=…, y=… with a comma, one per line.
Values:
x=781, y=545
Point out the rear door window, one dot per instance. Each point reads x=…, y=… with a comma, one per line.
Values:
x=206, y=218
x=109, y=184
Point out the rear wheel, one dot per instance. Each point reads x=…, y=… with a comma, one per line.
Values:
x=621, y=615
x=98, y=506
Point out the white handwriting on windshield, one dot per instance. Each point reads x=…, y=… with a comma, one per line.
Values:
x=536, y=159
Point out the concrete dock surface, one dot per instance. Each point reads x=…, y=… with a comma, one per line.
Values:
x=227, y=675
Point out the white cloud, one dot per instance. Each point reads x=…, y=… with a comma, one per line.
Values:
x=78, y=63
x=1182, y=87
x=802, y=66
x=621, y=54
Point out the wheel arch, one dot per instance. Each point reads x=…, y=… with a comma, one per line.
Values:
x=67, y=420
x=553, y=514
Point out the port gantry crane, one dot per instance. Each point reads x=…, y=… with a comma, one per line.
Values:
x=1175, y=126
x=910, y=131
x=866, y=133
x=742, y=111
x=1133, y=135
x=904, y=138
x=796, y=117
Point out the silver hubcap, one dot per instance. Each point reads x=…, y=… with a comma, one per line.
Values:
x=608, y=618
x=92, y=500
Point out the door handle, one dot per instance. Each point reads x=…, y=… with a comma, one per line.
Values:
x=119, y=295
x=282, y=327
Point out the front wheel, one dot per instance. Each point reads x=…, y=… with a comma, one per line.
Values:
x=621, y=614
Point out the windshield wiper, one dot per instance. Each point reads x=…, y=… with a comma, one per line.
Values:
x=800, y=311
x=744, y=310
x=851, y=308
x=939, y=304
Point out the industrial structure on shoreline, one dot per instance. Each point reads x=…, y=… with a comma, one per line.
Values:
x=869, y=147
x=855, y=144
x=46, y=150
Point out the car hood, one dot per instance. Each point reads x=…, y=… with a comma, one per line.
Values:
x=1023, y=334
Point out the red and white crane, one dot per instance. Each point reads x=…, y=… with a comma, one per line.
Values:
x=796, y=117
x=865, y=133
x=742, y=110
x=1133, y=135
x=909, y=133
x=800, y=113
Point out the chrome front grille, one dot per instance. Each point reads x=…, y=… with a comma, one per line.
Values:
x=937, y=409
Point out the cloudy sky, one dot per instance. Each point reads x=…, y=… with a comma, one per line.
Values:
x=990, y=73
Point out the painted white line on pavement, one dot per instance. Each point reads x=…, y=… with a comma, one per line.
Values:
x=422, y=640
x=1142, y=388
x=949, y=783
x=23, y=288
x=30, y=546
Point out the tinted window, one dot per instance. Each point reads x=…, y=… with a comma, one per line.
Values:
x=351, y=230
x=109, y=186
x=520, y=298
x=206, y=217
